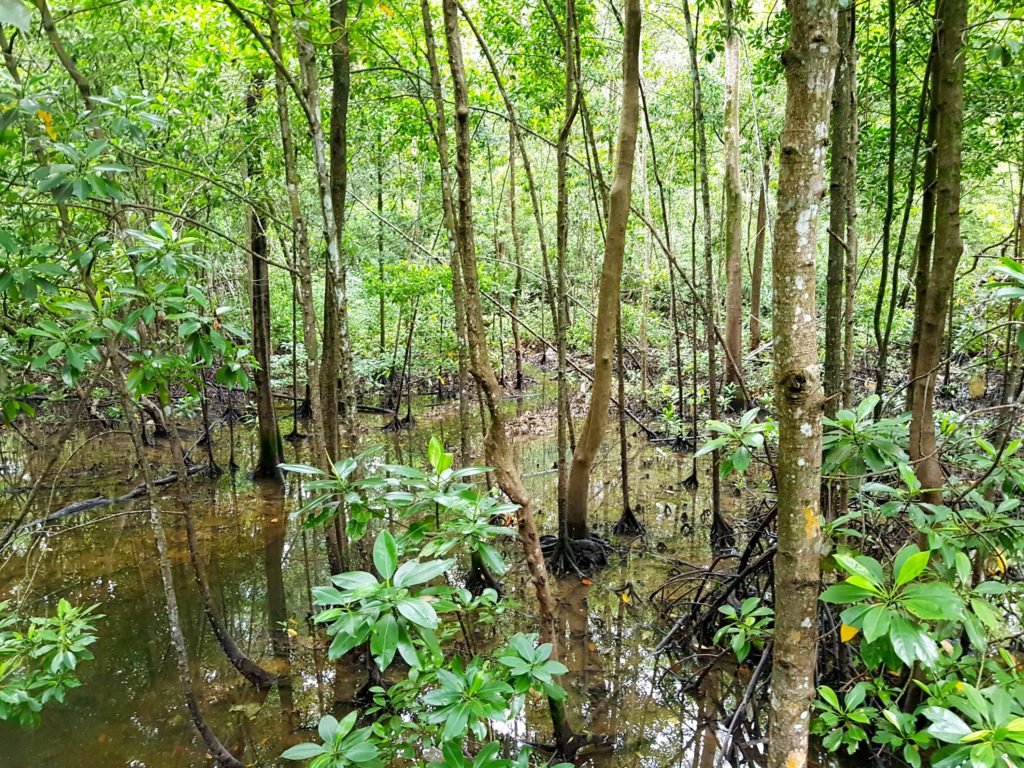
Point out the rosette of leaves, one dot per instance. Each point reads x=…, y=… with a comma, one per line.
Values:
x=896, y=613
x=737, y=443
x=386, y=612
x=856, y=444
x=341, y=746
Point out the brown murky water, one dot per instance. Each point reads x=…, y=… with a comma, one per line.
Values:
x=130, y=711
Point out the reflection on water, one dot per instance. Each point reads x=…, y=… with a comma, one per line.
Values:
x=261, y=565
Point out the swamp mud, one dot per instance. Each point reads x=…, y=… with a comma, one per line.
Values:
x=641, y=708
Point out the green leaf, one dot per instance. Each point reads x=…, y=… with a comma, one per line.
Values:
x=876, y=623
x=303, y=752
x=845, y=592
x=911, y=642
x=946, y=725
x=492, y=558
x=419, y=612
x=435, y=453
x=414, y=572
x=860, y=567
x=384, y=641
x=327, y=727
x=385, y=554
x=912, y=567
x=932, y=601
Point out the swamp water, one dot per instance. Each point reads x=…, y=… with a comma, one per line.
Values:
x=261, y=563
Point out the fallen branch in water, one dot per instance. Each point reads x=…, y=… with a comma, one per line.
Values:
x=85, y=505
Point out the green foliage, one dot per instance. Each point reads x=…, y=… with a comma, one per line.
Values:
x=341, y=747
x=855, y=443
x=738, y=442
x=408, y=609
x=39, y=656
x=745, y=627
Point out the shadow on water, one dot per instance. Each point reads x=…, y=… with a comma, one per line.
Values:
x=261, y=566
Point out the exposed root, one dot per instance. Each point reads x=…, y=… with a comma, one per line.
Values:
x=577, y=556
x=628, y=524
x=398, y=424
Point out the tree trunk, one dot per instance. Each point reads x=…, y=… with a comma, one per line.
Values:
x=882, y=333
x=451, y=223
x=839, y=189
x=951, y=20
x=517, y=245
x=496, y=445
x=710, y=321
x=733, y=213
x=336, y=293
x=757, y=268
x=303, y=264
x=561, y=247
x=926, y=232
x=810, y=63
x=270, y=450
x=850, y=17
x=592, y=432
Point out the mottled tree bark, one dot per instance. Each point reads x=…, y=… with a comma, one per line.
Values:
x=497, y=448
x=303, y=265
x=448, y=206
x=809, y=62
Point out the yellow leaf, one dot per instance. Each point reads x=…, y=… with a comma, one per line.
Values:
x=847, y=633
x=976, y=385
x=292, y=632
x=47, y=120
x=625, y=597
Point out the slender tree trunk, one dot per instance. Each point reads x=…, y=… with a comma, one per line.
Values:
x=270, y=448
x=951, y=20
x=810, y=63
x=337, y=295
x=839, y=189
x=381, y=314
x=440, y=128
x=517, y=244
x=496, y=444
x=733, y=213
x=338, y=337
x=926, y=232
x=757, y=268
x=303, y=265
x=561, y=249
x=882, y=333
x=710, y=320
x=592, y=432
x=850, y=17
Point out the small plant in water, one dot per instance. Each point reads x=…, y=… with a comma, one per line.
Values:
x=746, y=627
x=39, y=656
x=407, y=609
